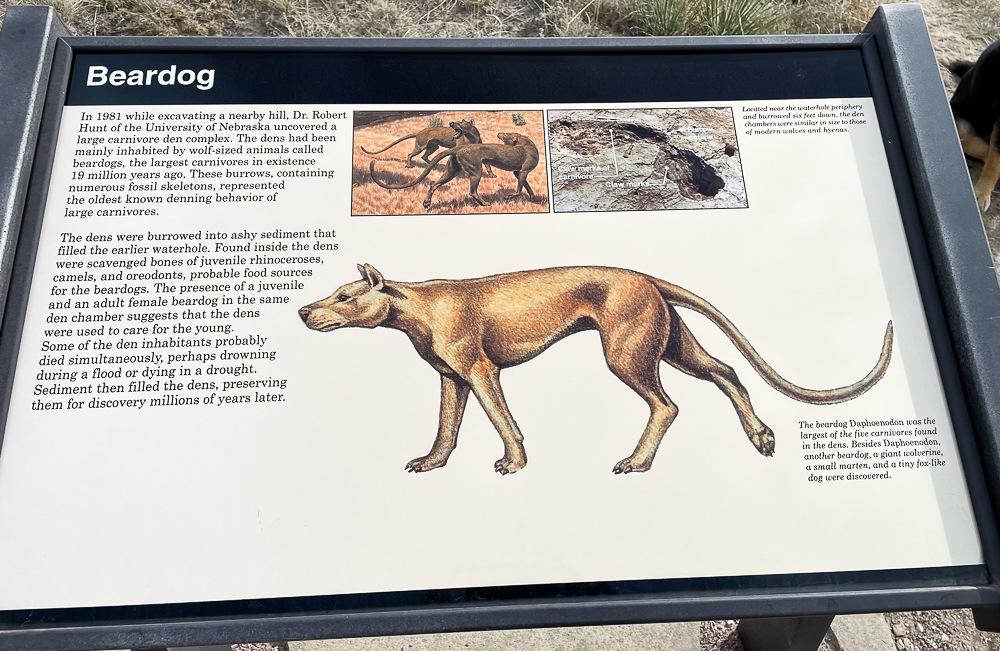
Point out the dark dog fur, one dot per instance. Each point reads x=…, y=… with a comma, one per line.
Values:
x=976, y=107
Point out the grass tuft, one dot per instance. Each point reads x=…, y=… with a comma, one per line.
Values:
x=829, y=16
x=708, y=17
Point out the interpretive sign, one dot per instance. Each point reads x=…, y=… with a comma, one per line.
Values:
x=262, y=296
x=163, y=345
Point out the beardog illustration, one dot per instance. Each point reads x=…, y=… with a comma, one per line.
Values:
x=517, y=154
x=428, y=140
x=470, y=330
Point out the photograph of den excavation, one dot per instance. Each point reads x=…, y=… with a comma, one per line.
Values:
x=448, y=162
x=645, y=159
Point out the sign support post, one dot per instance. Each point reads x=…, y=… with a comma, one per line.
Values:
x=784, y=633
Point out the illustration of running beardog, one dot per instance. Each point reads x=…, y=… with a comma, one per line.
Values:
x=428, y=140
x=470, y=330
x=518, y=154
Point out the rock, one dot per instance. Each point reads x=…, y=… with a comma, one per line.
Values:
x=900, y=644
x=920, y=627
x=898, y=629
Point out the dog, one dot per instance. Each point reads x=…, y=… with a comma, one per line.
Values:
x=428, y=140
x=470, y=330
x=976, y=108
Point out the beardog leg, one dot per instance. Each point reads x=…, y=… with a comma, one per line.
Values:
x=484, y=378
x=632, y=349
x=417, y=148
x=474, y=179
x=431, y=148
x=450, y=172
x=454, y=397
x=686, y=354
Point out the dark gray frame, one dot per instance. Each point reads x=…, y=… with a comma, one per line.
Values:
x=951, y=255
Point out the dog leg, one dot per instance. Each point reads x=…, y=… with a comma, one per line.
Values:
x=508, y=196
x=632, y=349
x=474, y=180
x=454, y=397
x=662, y=413
x=417, y=148
x=522, y=182
x=489, y=171
x=450, y=172
x=991, y=171
x=484, y=379
x=431, y=148
x=972, y=144
x=686, y=354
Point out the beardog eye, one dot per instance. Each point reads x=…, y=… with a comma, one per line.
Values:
x=342, y=298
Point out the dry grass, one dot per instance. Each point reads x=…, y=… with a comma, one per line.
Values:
x=68, y=10
x=829, y=16
x=166, y=17
x=506, y=18
x=457, y=18
x=450, y=18
x=143, y=17
x=330, y=18
x=367, y=198
x=709, y=17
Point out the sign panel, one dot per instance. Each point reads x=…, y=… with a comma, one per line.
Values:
x=260, y=324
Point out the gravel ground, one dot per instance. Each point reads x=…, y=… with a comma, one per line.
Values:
x=720, y=636
x=925, y=630
x=952, y=630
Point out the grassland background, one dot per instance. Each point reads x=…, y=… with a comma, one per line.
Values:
x=459, y=18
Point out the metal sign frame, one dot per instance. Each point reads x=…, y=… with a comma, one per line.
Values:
x=955, y=273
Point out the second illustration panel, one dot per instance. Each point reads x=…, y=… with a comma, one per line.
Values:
x=645, y=159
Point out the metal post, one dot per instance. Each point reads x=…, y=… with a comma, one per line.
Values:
x=784, y=633
x=987, y=619
x=27, y=42
x=943, y=191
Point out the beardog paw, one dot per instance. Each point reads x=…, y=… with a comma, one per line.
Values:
x=763, y=441
x=506, y=466
x=423, y=464
x=628, y=465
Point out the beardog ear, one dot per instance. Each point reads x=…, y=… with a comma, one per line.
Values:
x=372, y=275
